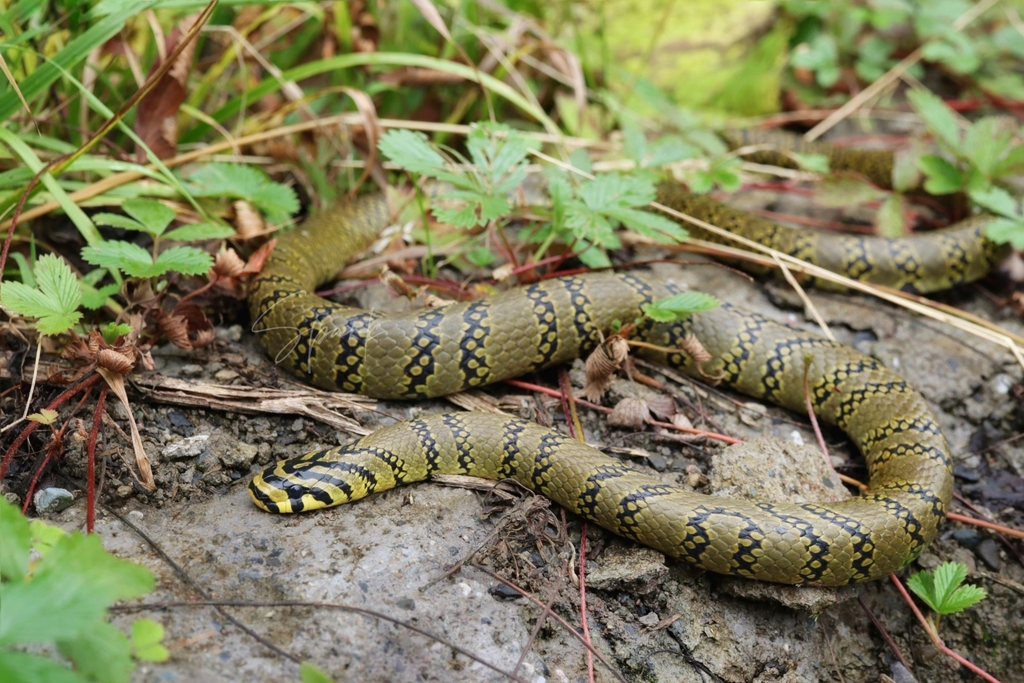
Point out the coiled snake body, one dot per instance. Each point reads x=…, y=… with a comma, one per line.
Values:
x=440, y=351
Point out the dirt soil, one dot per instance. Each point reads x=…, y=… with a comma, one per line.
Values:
x=655, y=620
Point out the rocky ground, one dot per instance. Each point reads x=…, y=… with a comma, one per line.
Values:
x=654, y=620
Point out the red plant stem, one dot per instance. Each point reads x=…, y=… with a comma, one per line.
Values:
x=814, y=418
x=935, y=636
x=50, y=452
x=25, y=433
x=982, y=523
x=55, y=445
x=97, y=422
x=583, y=603
x=529, y=386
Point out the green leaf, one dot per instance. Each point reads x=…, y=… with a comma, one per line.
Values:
x=135, y=261
x=411, y=150
x=100, y=653
x=679, y=306
x=16, y=537
x=669, y=150
x=238, y=181
x=906, y=171
x=481, y=257
x=54, y=304
x=311, y=674
x=937, y=116
x=815, y=163
x=580, y=159
x=997, y=200
x=1012, y=163
x=146, y=641
x=199, y=232
x=20, y=667
x=116, y=220
x=153, y=216
x=634, y=142
x=77, y=580
x=93, y=298
x=889, y=219
x=111, y=331
x=842, y=190
x=45, y=536
x=129, y=258
x=187, y=260
x=941, y=589
x=941, y=177
x=985, y=142
x=1003, y=230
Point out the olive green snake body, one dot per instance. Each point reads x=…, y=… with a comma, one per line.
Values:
x=440, y=351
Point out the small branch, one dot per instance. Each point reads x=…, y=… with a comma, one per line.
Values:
x=987, y=525
x=97, y=422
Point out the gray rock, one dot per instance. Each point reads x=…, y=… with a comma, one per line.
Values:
x=988, y=552
x=53, y=500
x=240, y=457
x=637, y=569
x=189, y=447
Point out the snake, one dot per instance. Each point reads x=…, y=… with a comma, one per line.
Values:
x=439, y=351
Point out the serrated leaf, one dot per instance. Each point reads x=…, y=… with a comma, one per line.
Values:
x=842, y=190
x=962, y=598
x=906, y=171
x=146, y=641
x=985, y=142
x=669, y=150
x=77, y=580
x=481, y=257
x=45, y=536
x=44, y=416
x=937, y=116
x=309, y=673
x=153, y=216
x=239, y=181
x=889, y=220
x=100, y=653
x=679, y=306
x=948, y=576
x=129, y=258
x=580, y=159
x=941, y=176
x=93, y=298
x=187, y=260
x=116, y=220
x=21, y=667
x=1012, y=163
x=200, y=231
x=111, y=331
x=54, y=304
x=816, y=163
x=14, y=531
x=658, y=228
x=997, y=200
x=1004, y=230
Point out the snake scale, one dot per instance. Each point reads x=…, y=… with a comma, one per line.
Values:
x=439, y=351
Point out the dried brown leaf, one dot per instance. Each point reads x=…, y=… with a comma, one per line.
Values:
x=156, y=119
x=602, y=364
x=630, y=412
x=115, y=361
x=228, y=263
x=695, y=349
x=248, y=221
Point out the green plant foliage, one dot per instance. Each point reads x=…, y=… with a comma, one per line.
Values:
x=310, y=673
x=147, y=216
x=867, y=38
x=54, y=302
x=133, y=260
x=942, y=589
x=975, y=157
x=277, y=202
x=497, y=165
x=679, y=306
x=61, y=600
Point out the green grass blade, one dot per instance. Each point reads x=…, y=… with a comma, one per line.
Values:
x=348, y=61
x=28, y=156
x=72, y=53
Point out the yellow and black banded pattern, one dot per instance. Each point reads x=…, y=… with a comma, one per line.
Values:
x=441, y=351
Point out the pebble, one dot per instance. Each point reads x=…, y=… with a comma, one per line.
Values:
x=649, y=619
x=53, y=500
x=502, y=592
x=189, y=447
x=206, y=462
x=136, y=515
x=225, y=375
x=968, y=538
x=406, y=603
x=240, y=457
x=233, y=333
x=192, y=370
x=124, y=491
x=657, y=462
x=988, y=552
x=298, y=425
